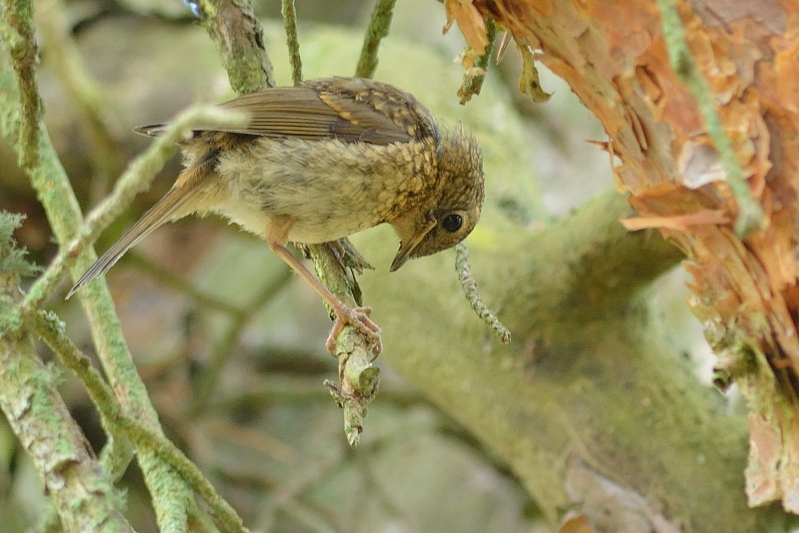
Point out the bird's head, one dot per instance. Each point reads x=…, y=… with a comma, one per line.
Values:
x=458, y=194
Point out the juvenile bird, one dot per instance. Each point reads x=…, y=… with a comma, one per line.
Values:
x=320, y=161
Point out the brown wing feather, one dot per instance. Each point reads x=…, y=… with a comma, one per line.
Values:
x=176, y=203
x=348, y=109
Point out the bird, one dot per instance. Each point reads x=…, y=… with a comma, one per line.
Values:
x=317, y=162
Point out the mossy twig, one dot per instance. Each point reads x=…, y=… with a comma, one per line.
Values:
x=290, y=24
x=24, y=52
x=377, y=31
x=750, y=214
x=240, y=40
x=469, y=285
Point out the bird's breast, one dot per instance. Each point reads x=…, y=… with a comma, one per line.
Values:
x=329, y=188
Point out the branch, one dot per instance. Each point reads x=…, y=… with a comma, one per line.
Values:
x=593, y=383
x=118, y=424
x=239, y=38
x=37, y=414
x=581, y=269
x=379, y=25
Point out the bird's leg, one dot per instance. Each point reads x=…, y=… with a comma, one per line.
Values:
x=277, y=236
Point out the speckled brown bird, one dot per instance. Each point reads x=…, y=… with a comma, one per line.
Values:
x=318, y=162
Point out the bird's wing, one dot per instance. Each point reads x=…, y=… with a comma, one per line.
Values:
x=347, y=109
x=178, y=202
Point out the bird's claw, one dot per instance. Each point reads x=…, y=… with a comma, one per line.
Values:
x=359, y=318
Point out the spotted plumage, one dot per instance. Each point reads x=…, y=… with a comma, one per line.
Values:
x=321, y=161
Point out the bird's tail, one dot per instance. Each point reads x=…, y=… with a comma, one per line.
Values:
x=179, y=202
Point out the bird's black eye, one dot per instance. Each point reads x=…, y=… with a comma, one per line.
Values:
x=452, y=223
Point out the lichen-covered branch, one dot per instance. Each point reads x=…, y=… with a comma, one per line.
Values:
x=118, y=424
x=80, y=488
x=375, y=33
x=240, y=41
x=292, y=40
x=24, y=54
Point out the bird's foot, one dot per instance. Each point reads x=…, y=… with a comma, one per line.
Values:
x=359, y=318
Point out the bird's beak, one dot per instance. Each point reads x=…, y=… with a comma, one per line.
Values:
x=407, y=248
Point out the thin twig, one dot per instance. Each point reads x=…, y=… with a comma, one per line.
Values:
x=750, y=214
x=117, y=453
x=469, y=285
x=358, y=378
x=24, y=54
x=290, y=24
x=377, y=31
x=51, y=329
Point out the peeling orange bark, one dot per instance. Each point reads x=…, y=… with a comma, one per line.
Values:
x=614, y=57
